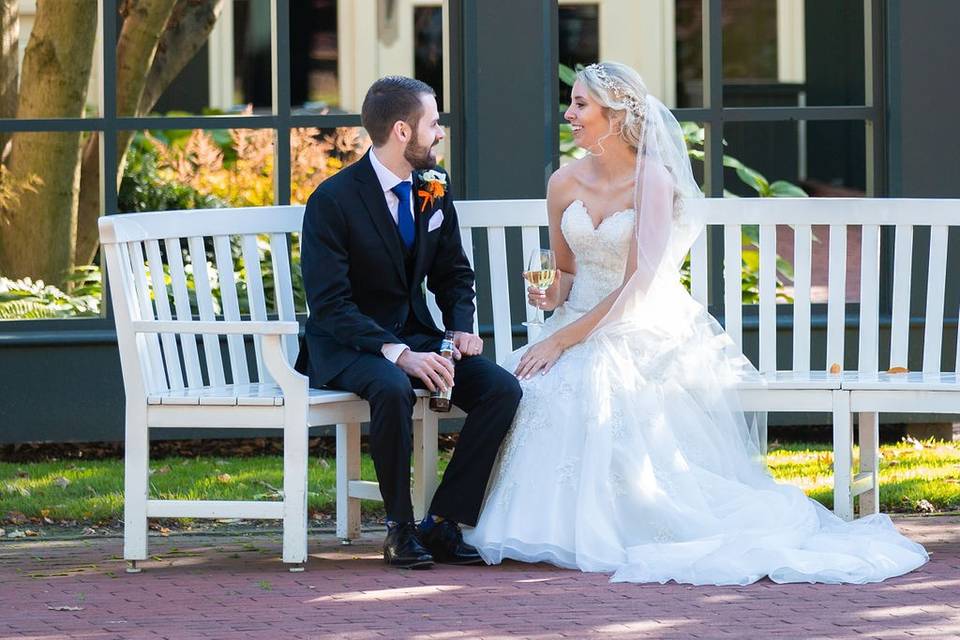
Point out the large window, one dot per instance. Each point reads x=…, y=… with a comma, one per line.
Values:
x=246, y=103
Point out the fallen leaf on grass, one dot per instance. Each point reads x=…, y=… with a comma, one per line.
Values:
x=224, y=477
x=61, y=482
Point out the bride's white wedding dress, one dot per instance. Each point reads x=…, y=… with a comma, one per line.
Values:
x=632, y=455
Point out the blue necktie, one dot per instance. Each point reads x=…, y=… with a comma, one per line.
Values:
x=405, y=213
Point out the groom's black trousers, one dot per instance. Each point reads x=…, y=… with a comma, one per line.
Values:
x=487, y=393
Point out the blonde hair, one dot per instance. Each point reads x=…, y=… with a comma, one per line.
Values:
x=619, y=89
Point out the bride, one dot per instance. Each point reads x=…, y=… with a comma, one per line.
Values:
x=629, y=452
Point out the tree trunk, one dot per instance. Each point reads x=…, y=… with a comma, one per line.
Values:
x=187, y=29
x=9, y=63
x=37, y=237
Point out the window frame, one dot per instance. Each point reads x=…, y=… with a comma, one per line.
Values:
x=97, y=330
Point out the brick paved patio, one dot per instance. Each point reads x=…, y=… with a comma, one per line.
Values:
x=235, y=587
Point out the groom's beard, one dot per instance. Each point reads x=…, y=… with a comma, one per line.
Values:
x=419, y=156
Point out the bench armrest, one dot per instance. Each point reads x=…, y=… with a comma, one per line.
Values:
x=219, y=327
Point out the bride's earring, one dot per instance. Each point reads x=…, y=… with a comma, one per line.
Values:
x=599, y=143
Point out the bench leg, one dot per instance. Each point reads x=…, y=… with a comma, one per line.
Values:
x=348, y=468
x=295, y=455
x=764, y=437
x=842, y=455
x=136, y=474
x=425, y=443
x=869, y=429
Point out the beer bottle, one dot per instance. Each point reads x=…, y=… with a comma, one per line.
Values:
x=440, y=400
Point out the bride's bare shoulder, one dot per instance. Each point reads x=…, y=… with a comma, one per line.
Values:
x=563, y=183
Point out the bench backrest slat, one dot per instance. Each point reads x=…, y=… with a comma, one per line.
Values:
x=836, y=295
x=698, y=269
x=256, y=300
x=869, y=345
x=936, y=289
x=161, y=300
x=500, y=294
x=802, y=253
x=283, y=289
x=768, y=297
x=900, y=321
x=201, y=281
x=466, y=240
x=181, y=306
x=732, y=277
x=230, y=305
x=150, y=357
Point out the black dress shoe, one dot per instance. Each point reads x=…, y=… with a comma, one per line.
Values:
x=445, y=542
x=402, y=548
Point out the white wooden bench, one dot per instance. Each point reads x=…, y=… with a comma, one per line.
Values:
x=172, y=382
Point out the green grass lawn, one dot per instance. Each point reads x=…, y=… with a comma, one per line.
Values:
x=915, y=477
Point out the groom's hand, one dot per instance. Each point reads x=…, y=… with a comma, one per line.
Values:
x=466, y=344
x=434, y=370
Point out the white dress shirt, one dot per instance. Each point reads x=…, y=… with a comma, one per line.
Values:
x=388, y=180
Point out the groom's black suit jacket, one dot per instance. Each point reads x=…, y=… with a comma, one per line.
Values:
x=364, y=288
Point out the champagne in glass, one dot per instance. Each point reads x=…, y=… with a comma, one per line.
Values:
x=541, y=273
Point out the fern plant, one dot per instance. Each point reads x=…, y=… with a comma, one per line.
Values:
x=25, y=299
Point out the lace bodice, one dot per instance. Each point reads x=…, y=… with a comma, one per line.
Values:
x=601, y=253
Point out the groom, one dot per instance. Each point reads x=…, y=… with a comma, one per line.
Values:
x=371, y=234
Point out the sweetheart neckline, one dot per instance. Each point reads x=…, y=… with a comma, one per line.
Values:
x=596, y=228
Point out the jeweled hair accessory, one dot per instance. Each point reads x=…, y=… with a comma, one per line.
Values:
x=619, y=90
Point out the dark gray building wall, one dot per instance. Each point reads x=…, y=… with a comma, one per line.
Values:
x=60, y=385
x=924, y=98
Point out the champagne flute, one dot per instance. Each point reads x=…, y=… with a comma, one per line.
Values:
x=541, y=273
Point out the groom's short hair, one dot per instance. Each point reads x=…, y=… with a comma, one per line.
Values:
x=389, y=100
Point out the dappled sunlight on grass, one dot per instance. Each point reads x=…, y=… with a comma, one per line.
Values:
x=915, y=477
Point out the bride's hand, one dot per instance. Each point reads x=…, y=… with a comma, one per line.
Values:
x=540, y=357
x=546, y=300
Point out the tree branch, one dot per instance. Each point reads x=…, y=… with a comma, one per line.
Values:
x=187, y=30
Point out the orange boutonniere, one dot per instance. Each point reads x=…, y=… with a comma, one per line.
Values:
x=434, y=186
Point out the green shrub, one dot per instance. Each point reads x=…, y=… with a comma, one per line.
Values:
x=26, y=300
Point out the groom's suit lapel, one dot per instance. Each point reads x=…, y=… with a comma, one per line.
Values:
x=372, y=195
x=421, y=217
